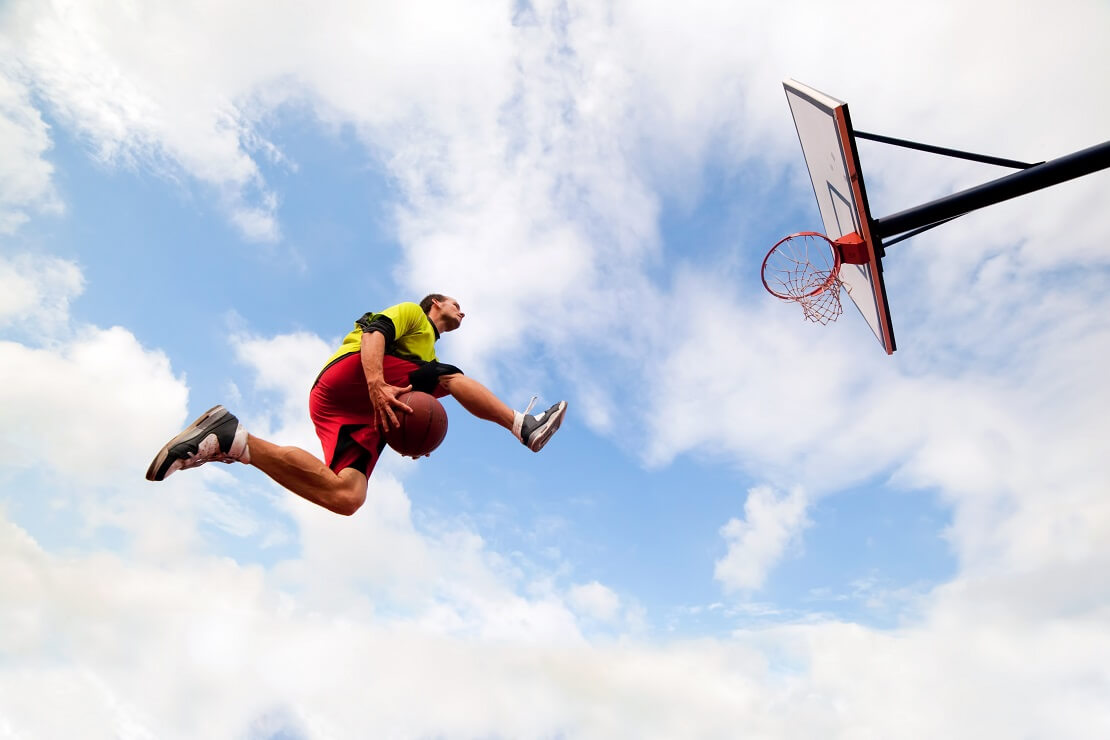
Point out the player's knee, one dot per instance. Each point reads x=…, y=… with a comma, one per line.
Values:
x=445, y=381
x=350, y=497
x=348, y=505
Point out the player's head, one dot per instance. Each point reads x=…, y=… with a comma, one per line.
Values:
x=429, y=300
x=444, y=311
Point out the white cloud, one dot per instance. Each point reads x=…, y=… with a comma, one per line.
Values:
x=26, y=184
x=595, y=600
x=85, y=409
x=35, y=293
x=135, y=82
x=80, y=400
x=137, y=653
x=189, y=89
x=772, y=521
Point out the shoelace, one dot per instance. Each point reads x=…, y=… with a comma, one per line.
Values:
x=196, y=459
x=530, y=405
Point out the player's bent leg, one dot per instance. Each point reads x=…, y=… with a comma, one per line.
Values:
x=307, y=476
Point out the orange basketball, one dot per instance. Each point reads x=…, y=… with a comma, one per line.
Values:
x=421, y=431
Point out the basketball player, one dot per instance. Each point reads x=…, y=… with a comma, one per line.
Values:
x=353, y=399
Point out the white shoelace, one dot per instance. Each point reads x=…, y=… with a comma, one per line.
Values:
x=530, y=405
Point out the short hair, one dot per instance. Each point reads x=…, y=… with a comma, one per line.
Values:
x=426, y=304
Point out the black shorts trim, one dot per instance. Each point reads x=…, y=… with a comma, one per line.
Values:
x=346, y=441
x=426, y=377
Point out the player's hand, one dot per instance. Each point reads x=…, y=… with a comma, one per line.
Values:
x=383, y=398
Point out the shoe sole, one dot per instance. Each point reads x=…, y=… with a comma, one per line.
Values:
x=551, y=425
x=156, y=471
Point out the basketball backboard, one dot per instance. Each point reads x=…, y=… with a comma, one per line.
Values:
x=829, y=147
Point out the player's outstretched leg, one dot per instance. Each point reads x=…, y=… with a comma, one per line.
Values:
x=215, y=436
x=535, y=430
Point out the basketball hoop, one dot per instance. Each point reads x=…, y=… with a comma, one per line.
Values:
x=805, y=268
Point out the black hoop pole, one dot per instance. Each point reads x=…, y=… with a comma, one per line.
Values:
x=915, y=232
x=945, y=151
x=1035, y=178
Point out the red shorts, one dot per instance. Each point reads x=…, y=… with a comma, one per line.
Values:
x=340, y=408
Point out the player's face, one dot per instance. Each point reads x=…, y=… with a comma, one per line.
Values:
x=450, y=312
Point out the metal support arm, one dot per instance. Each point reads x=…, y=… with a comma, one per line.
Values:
x=1034, y=178
x=946, y=151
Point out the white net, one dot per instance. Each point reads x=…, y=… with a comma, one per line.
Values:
x=804, y=268
x=824, y=306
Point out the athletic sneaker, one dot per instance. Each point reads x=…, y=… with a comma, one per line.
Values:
x=216, y=436
x=534, y=431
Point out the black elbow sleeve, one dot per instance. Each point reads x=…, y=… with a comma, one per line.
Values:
x=379, y=323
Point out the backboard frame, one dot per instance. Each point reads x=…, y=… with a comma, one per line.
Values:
x=824, y=128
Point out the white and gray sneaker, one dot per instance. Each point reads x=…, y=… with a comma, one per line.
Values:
x=216, y=436
x=534, y=431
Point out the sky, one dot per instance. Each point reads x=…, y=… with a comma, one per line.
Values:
x=748, y=525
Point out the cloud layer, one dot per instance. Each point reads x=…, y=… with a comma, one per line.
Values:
x=535, y=151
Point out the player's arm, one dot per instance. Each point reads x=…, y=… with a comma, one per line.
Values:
x=383, y=396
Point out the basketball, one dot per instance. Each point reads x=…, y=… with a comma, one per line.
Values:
x=421, y=431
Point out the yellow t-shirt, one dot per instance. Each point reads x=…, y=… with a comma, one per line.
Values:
x=409, y=334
